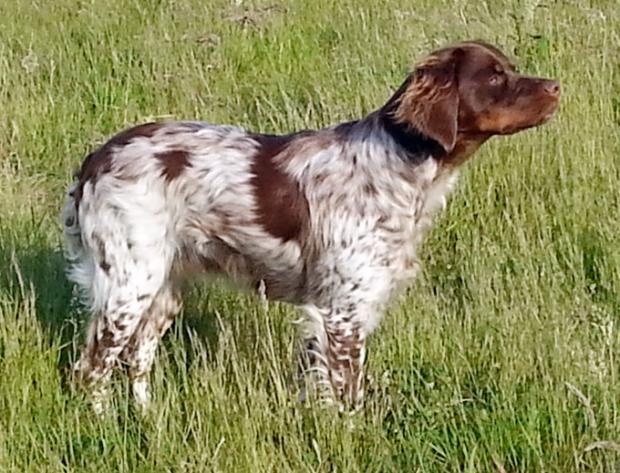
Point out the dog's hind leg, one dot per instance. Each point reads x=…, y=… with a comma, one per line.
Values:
x=139, y=353
x=122, y=270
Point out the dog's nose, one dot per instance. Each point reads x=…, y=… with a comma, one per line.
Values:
x=552, y=87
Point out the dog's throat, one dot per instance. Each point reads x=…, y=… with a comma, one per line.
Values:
x=464, y=148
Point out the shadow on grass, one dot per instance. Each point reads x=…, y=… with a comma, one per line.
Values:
x=40, y=270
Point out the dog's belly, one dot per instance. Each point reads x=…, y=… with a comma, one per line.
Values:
x=250, y=263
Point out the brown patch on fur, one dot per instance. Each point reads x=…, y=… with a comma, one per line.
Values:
x=282, y=208
x=103, y=263
x=100, y=161
x=174, y=163
x=105, y=266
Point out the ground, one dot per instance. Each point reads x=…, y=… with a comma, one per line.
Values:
x=502, y=357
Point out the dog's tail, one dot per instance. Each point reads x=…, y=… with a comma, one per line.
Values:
x=81, y=264
x=74, y=248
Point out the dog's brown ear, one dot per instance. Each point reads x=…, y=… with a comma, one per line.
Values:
x=428, y=102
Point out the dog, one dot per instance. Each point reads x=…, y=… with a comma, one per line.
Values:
x=328, y=220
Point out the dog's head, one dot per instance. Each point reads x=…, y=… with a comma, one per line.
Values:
x=471, y=89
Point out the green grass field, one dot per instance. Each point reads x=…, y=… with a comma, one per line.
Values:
x=504, y=356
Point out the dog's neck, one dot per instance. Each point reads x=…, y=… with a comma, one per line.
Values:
x=466, y=145
x=414, y=145
x=418, y=147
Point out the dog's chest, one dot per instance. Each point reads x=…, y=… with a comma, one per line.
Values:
x=434, y=196
x=403, y=230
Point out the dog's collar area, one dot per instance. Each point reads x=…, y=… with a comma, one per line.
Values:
x=417, y=146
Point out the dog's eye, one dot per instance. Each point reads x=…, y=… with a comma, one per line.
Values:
x=497, y=77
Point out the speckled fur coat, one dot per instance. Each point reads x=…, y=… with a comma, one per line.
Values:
x=329, y=220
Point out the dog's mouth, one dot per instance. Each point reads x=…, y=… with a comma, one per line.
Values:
x=545, y=115
x=549, y=112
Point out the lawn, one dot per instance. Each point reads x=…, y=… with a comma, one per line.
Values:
x=503, y=356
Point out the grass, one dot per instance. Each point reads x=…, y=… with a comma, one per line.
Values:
x=504, y=355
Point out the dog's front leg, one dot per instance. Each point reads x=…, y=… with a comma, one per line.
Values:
x=333, y=355
x=345, y=359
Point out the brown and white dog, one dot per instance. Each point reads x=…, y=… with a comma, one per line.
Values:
x=328, y=220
